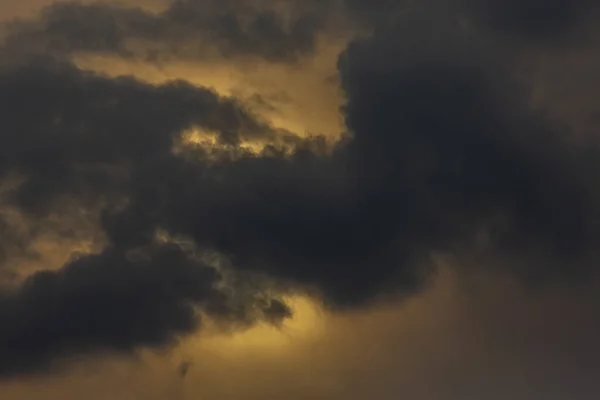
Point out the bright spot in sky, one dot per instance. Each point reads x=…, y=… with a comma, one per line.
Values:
x=307, y=322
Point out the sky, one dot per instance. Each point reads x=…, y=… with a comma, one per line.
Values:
x=326, y=199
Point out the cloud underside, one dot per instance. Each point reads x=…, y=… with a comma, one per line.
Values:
x=280, y=32
x=442, y=154
x=192, y=30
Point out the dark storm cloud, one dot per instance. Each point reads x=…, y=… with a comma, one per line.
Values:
x=81, y=135
x=186, y=29
x=538, y=20
x=277, y=31
x=526, y=21
x=372, y=11
x=441, y=120
x=453, y=143
x=441, y=147
x=65, y=128
x=113, y=301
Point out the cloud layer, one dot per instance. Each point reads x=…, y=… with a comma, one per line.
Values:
x=443, y=153
x=186, y=29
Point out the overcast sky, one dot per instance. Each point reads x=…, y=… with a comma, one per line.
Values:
x=318, y=199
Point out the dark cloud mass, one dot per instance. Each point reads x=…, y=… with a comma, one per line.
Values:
x=113, y=301
x=524, y=21
x=442, y=152
x=187, y=29
x=455, y=145
x=81, y=135
x=539, y=20
x=65, y=128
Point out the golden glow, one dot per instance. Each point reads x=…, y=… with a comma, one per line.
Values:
x=307, y=322
x=302, y=98
x=45, y=248
x=388, y=352
x=201, y=138
x=50, y=251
